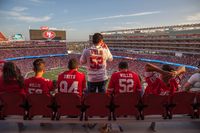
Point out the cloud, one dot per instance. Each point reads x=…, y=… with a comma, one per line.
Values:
x=19, y=9
x=18, y=14
x=71, y=29
x=117, y=16
x=33, y=19
x=65, y=11
x=36, y=1
x=195, y=17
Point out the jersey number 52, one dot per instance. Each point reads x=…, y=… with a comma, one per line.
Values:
x=126, y=85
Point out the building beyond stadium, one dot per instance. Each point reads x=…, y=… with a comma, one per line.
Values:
x=178, y=39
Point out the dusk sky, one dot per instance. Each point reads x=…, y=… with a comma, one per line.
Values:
x=80, y=18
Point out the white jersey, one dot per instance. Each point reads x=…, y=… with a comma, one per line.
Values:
x=95, y=58
x=194, y=80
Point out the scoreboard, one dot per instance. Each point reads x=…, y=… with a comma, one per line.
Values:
x=39, y=34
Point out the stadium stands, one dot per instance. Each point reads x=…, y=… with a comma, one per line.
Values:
x=182, y=39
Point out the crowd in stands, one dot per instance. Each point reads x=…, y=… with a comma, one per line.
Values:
x=53, y=62
x=30, y=44
x=11, y=53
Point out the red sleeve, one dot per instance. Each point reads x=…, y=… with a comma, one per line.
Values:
x=50, y=85
x=138, y=84
x=84, y=83
x=26, y=86
x=58, y=82
x=111, y=85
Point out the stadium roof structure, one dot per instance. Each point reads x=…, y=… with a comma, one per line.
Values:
x=153, y=29
x=2, y=37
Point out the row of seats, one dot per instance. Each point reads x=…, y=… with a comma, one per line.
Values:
x=102, y=105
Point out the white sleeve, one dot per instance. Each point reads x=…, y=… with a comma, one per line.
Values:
x=109, y=55
x=193, y=79
x=83, y=58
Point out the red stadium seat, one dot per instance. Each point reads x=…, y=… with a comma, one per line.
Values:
x=98, y=105
x=126, y=104
x=155, y=105
x=198, y=104
x=68, y=104
x=40, y=104
x=182, y=103
x=12, y=104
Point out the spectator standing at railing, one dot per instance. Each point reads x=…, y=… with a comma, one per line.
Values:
x=124, y=81
x=96, y=58
x=11, y=79
x=193, y=83
x=38, y=84
x=72, y=81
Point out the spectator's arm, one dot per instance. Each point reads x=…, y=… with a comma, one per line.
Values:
x=153, y=68
x=110, y=89
x=139, y=86
x=110, y=57
x=189, y=83
x=179, y=71
x=83, y=59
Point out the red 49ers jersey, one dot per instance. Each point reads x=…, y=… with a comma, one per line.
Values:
x=124, y=81
x=71, y=81
x=11, y=86
x=157, y=86
x=38, y=85
x=154, y=84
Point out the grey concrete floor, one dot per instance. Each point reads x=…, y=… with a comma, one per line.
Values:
x=161, y=127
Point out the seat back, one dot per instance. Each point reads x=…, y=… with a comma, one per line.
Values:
x=39, y=105
x=98, y=104
x=155, y=104
x=68, y=104
x=12, y=104
x=183, y=102
x=126, y=104
x=198, y=103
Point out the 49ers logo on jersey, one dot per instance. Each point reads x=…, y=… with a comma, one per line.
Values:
x=49, y=34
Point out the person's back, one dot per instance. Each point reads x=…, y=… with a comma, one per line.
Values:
x=96, y=57
x=38, y=84
x=11, y=79
x=124, y=81
x=71, y=81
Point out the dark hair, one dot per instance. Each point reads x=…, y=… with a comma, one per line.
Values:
x=97, y=37
x=38, y=65
x=123, y=65
x=73, y=63
x=167, y=68
x=12, y=72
